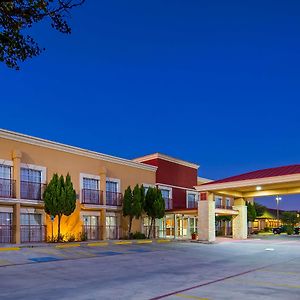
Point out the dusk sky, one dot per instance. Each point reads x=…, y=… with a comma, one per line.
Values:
x=211, y=82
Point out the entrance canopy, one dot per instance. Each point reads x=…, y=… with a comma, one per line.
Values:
x=267, y=182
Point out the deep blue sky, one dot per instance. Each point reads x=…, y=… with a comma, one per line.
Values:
x=212, y=82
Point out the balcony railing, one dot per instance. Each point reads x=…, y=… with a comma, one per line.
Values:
x=92, y=232
x=90, y=196
x=114, y=198
x=168, y=203
x=221, y=206
x=33, y=233
x=7, y=188
x=32, y=190
x=192, y=204
x=6, y=234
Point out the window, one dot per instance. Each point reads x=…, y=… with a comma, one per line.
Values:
x=218, y=201
x=31, y=184
x=90, y=184
x=90, y=227
x=31, y=219
x=112, y=186
x=5, y=172
x=30, y=175
x=90, y=191
x=6, y=227
x=113, y=197
x=192, y=199
x=228, y=202
x=165, y=193
x=6, y=184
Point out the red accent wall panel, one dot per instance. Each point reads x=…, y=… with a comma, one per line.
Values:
x=179, y=198
x=174, y=174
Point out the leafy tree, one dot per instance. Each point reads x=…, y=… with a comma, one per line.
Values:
x=18, y=16
x=251, y=212
x=133, y=204
x=60, y=198
x=154, y=206
x=289, y=218
x=260, y=209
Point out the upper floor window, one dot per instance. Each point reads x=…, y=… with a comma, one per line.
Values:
x=228, y=202
x=112, y=186
x=113, y=195
x=165, y=193
x=31, y=184
x=218, y=201
x=192, y=199
x=5, y=172
x=90, y=191
x=90, y=184
x=6, y=184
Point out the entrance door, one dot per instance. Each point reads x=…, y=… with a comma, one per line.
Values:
x=91, y=227
x=112, y=227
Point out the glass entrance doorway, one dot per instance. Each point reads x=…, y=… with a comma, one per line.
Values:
x=91, y=227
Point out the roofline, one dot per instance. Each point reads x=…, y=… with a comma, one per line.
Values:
x=248, y=182
x=19, y=137
x=205, y=180
x=167, y=158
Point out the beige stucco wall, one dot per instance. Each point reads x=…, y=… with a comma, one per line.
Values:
x=60, y=162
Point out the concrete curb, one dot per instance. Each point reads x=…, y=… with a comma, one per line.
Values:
x=84, y=244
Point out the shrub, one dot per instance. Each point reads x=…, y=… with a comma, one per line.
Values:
x=289, y=229
x=137, y=236
x=83, y=236
x=70, y=238
x=267, y=229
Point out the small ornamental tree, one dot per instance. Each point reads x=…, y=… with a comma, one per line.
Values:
x=289, y=218
x=251, y=212
x=59, y=199
x=133, y=204
x=154, y=206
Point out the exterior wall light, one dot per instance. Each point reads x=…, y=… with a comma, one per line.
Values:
x=258, y=188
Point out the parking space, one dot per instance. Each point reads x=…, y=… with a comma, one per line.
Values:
x=250, y=269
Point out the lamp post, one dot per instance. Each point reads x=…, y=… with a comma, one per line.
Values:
x=277, y=202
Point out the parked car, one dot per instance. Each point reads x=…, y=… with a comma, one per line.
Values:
x=296, y=230
x=277, y=230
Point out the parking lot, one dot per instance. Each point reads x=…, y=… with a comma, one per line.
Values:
x=260, y=268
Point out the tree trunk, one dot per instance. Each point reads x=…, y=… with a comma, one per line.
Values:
x=129, y=227
x=149, y=232
x=58, y=228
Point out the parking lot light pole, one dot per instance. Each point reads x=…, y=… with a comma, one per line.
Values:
x=277, y=202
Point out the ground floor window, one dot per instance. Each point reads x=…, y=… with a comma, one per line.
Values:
x=6, y=228
x=112, y=228
x=91, y=227
x=32, y=229
x=175, y=226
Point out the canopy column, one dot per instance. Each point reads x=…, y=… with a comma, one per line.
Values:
x=206, y=218
x=239, y=222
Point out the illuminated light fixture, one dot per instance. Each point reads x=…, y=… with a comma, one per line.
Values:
x=258, y=188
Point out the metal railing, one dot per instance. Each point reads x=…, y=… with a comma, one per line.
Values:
x=33, y=233
x=92, y=232
x=6, y=234
x=7, y=188
x=32, y=190
x=113, y=232
x=114, y=198
x=90, y=196
x=168, y=203
x=221, y=206
x=192, y=204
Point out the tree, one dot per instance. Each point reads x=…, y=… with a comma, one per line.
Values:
x=133, y=204
x=289, y=218
x=154, y=206
x=260, y=209
x=251, y=212
x=18, y=16
x=60, y=199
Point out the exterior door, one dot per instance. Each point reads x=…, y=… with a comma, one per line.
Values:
x=91, y=227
